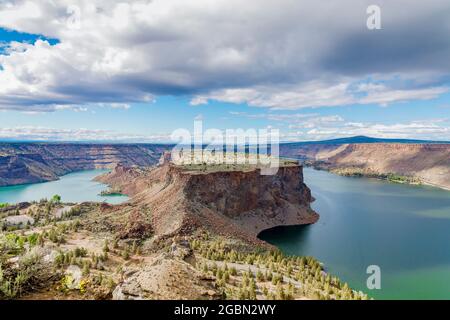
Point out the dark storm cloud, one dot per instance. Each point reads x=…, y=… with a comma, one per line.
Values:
x=422, y=43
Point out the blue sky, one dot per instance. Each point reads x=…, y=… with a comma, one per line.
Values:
x=7, y=36
x=137, y=77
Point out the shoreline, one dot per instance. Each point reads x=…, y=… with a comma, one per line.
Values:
x=383, y=177
x=58, y=177
x=430, y=184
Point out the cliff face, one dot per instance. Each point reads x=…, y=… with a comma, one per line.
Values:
x=430, y=163
x=233, y=193
x=38, y=162
x=34, y=162
x=233, y=203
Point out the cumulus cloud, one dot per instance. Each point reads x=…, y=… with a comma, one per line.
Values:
x=281, y=54
x=318, y=94
x=313, y=126
x=309, y=128
x=414, y=129
x=55, y=134
x=320, y=129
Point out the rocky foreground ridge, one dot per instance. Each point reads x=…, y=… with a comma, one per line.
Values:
x=427, y=163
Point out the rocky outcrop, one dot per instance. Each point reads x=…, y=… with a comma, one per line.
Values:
x=232, y=203
x=38, y=162
x=165, y=278
x=429, y=163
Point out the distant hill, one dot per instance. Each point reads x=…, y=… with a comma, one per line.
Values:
x=364, y=139
x=427, y=162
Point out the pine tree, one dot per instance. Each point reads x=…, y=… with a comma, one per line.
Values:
x=105, y=247
x=134, y=247
x=86, y=268
x=115, y=243
x=252, y=291
x=289, y=270
x=226, y=276
x=40, y=240
x=280, y=292
x=259, y=276
x=126, y=253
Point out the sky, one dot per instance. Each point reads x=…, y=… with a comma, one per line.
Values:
x=98, y=70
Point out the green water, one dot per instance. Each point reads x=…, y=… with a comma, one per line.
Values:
x=74, y=187
x=403, y=229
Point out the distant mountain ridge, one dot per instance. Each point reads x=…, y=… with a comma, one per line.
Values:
x=365, y=139
x=353, y=139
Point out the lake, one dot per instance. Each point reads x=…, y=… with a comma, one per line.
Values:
x=73, y=187
x=403, y=229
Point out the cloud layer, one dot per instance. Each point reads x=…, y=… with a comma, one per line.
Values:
x=282, y=54
x=54, y=134
x=313, y=126
x=293, y=127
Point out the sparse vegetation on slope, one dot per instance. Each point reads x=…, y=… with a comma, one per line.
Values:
x=181, y=236
x=268, y=274
x=391, y=177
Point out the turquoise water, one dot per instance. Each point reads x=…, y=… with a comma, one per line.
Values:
x=403, y=229
x=73, y=187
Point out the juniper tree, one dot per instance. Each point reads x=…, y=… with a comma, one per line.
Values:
x=226, y=276
x=280, y=292
x=265, y=291
x=86, y=268
x=134, y=247
x=126, y=253
x=259, y=276
x=105, y=246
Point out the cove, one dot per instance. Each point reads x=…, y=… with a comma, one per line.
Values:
x=73, y=187
x=403, y=229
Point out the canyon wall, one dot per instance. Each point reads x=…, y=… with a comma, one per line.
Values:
x=430, y=163
x=37, y=162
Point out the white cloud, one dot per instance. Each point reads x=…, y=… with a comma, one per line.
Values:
x=313, y=94
x=53, y=134
x=438, y=129
x=313, y=126
x=124, y=106
x=196, y=101
x=384, y=96
x=283, y=54
x=317, y=94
